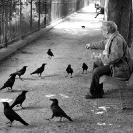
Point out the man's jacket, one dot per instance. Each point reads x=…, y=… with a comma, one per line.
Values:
x=117, y=48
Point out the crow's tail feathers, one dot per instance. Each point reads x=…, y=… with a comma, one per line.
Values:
x=23, y=122
x=69, y=118
x=2, y=87
x=32, y=73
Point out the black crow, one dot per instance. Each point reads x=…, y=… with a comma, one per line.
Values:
x=9, y=83
x=12, y=115
x=50, y=54
x=85, y=67
x=83, y=27
x=39, y=70
x=69, y=70
x=20, y=72
x=20, y=99
x=57, y=111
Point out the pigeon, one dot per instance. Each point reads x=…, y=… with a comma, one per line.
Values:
x=57, y=111
x=20, y=99
x=12, y=115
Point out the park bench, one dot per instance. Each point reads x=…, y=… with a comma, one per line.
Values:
x=122, y=86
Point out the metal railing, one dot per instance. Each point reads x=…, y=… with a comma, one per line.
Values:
x=18, y=18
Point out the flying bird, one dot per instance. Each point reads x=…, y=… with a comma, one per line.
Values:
x=69, y=70
x=39, y=70
x=84, y=67
x=20, y=99
x=20, y=72
x=9, y=83
x=57, y=111
x=12, y=115
x=50, y=54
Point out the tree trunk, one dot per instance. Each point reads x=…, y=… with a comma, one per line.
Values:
x=120, y=11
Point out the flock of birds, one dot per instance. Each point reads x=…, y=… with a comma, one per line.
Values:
x=11, y=115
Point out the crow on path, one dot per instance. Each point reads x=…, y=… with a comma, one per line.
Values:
x=39, y=70
x=9, y=83
x=57, y=111
x=20, y=72
x=20, y=99
x=84, y=67
x=83, y=27
x=50, y=54
x=12, y=115
x=69, y=70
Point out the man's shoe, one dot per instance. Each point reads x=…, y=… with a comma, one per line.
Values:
x=89, y=96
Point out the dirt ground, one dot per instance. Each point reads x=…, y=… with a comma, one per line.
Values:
x=67, y=41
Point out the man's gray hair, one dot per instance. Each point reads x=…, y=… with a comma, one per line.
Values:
x=110, y=26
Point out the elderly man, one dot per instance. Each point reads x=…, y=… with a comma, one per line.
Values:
x=114, y=47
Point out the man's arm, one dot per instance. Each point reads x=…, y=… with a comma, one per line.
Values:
x=96, y=45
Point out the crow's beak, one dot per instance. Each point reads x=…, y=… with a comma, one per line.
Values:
x=51, y=99
x=24, y=91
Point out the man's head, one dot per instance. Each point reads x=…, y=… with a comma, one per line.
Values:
x=108, y=28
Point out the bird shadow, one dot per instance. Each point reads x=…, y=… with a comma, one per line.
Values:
x=28, y=79
x=41, y=77
x=35, y=78
x=67, y=121
x=28, y=108
x=79, y=120
x=31, y=108
x=78, y=75
x=22, y=126
x=58, y=121
x=13, y=91
x=74, y=121
x=82, y=74
x=54, y=75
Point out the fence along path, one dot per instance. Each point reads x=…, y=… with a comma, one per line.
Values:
x=22, y=17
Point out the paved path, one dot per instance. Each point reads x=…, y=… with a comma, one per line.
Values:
x=67, y=41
